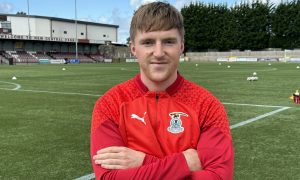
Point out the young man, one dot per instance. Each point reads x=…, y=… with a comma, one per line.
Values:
x=159, y=125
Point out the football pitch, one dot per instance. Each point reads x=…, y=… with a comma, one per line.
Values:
x=45, y=116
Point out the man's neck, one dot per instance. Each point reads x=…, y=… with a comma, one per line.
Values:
x=158, y=86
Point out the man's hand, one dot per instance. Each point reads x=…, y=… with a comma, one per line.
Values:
x=118, y=157
x=192, y=159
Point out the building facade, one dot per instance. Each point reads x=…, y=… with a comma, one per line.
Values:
x=45, y=34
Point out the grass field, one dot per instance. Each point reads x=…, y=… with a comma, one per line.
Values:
x=45, y=116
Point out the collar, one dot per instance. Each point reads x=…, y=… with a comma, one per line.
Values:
x=172, y=89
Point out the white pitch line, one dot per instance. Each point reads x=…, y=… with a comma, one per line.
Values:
x=18, y=86
x=86, y=177
x=256, y=105
x=56, y=92
x=263, y=70
x=258, y=118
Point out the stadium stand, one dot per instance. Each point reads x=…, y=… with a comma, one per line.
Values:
x=97, y=57
x=63, y=55
x=22, y=57
x=32, y=57
x=39, y=55
x=54, y=40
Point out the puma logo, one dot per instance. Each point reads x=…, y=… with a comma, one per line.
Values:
x=142, y=119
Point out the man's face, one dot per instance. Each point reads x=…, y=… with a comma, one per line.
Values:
x=158, y=54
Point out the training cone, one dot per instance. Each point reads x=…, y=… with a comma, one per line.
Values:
x=14, y=78
x=296, y=97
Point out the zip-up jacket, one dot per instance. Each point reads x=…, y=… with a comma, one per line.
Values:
x=163, y=125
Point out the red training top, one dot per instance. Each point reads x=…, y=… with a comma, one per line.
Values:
x=162, y=125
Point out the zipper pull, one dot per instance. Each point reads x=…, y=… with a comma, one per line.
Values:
x=156, y=97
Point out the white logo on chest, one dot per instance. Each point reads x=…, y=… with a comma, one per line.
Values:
x=142, y=119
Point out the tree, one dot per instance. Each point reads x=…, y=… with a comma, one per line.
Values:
x=252, y=21
x=286, y=25
x=252, y=26
x=128, y=40
x=107, y=50
x=21, y=13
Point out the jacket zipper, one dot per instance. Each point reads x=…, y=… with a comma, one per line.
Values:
x=156, y=97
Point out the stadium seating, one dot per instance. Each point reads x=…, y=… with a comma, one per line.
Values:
x=39, y=55
x=22, y=57
x=64, y=55
x=97, y=57
x=26, y=57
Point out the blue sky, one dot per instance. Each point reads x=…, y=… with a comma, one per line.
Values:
x=117, y=12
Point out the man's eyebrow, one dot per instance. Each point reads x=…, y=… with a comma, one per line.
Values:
x=163, y=39
x=170, y=39
x=146, y=39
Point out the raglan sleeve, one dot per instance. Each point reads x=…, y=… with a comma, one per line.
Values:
x=105, y=133
x=215, y=147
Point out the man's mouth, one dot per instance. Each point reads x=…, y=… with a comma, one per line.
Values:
x=158, y=63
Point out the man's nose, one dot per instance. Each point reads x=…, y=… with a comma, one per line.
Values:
x=158, y=50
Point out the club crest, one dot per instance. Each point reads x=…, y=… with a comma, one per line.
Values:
x=176, y=123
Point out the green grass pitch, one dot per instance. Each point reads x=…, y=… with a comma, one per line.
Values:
x=45, y=116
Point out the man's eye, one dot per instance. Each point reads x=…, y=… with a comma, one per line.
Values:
x=147, y=43
x=170, y=42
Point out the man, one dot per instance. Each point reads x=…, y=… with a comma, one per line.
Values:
x=159, y=125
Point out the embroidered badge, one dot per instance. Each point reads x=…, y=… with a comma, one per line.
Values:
x=142, y=119
x=176, y=123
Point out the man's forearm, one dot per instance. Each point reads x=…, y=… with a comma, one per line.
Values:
x=215, y=151
x=170, y=167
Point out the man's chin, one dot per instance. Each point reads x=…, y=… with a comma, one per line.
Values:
x=158, y=77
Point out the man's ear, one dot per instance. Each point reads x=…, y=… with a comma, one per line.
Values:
x=182, y=47
x=132, y=48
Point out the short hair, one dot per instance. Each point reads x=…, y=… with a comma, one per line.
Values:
x=156, y=16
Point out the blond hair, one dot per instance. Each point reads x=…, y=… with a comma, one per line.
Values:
x=156, y=16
